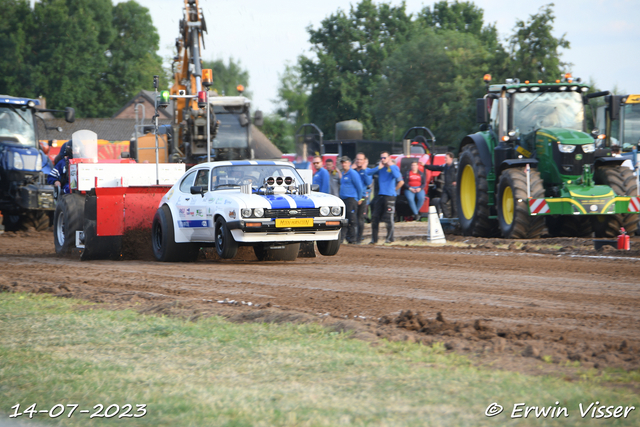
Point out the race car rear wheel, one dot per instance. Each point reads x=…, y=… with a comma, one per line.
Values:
x=165, y=248
x=226, y=246
x=328, y=247
x=277, y=251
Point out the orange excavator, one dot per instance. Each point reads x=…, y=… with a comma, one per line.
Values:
x=228, y=117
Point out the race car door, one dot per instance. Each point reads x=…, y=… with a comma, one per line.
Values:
x=202, y=224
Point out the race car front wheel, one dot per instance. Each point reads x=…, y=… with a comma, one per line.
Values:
x=328, y=247
x=226, y=246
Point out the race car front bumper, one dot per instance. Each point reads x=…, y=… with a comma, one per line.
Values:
x=266, y=231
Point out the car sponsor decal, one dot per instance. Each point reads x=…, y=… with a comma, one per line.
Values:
x=200, y=223
x=185, y=211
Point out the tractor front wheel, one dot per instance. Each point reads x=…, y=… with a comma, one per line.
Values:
x=623, y=183
x=473, y=195
x=512, y=204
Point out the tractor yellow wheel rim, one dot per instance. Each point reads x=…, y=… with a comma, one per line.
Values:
x=468, y=192
x=507, y=205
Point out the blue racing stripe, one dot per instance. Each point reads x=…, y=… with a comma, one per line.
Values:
x=302, y=202
x=278, y=202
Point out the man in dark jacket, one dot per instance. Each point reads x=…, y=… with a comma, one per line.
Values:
x=59, y=176
x=351, y=193
x=449, y=190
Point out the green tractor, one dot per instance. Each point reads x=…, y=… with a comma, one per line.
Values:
x=532, y=165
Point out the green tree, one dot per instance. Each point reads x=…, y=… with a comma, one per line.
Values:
x=534, y=49
x=349, y=51
x=16, y=29
x=68, y=66
x=86, y=54
x=293, y=96
x=226, y=78
x=132, y=57
x=279, y=131
x=431, y=81
x=466, y=17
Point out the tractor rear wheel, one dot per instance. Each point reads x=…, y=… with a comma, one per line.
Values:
x=513, y=210
x=328, y=247
x=165, y=248
x=473, y=195
x=67, y=219
x=623, y=183
x=569, y=226
x=277, y=251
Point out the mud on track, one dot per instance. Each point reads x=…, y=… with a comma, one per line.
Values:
x=529, y=310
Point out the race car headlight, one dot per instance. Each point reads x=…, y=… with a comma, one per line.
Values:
x=17, y=161
x=336, y=210
x=39, y=163
x=588, y=148
x=258, y=212
x=324, y=210
x=246, y=213
x=564, y=148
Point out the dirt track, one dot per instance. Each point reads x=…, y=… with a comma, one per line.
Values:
x=509, y=307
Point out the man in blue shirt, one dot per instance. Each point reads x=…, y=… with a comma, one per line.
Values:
x=351, y=193
x=361, y=164
x=321, y=177
x=384, y=205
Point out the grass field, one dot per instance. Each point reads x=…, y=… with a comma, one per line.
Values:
x=215, y=373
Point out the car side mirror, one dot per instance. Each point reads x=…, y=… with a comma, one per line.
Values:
x=69, y=115
x=315, y=187
x=196, y=189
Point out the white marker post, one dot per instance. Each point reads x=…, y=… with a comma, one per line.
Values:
x=435, y=234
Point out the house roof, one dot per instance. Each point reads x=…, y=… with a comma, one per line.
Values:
x=108, y=129
x=149, y=97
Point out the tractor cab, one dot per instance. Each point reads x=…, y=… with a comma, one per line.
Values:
x=543, y=121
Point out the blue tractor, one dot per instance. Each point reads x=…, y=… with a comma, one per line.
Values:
x=25, y=199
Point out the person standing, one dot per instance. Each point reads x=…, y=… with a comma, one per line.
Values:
x=449, y=190
x=351, y=191
x=360, y=166
x=335, y=176
x=414, y=189
x=321, y=177
x=384, y=205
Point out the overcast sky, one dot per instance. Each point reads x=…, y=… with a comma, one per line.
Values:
x=264, y=35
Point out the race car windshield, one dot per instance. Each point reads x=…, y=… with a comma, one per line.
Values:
x=16, y=126
x=236, y=175
x=533, y=111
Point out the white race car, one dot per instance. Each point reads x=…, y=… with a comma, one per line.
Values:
x=264, y=204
